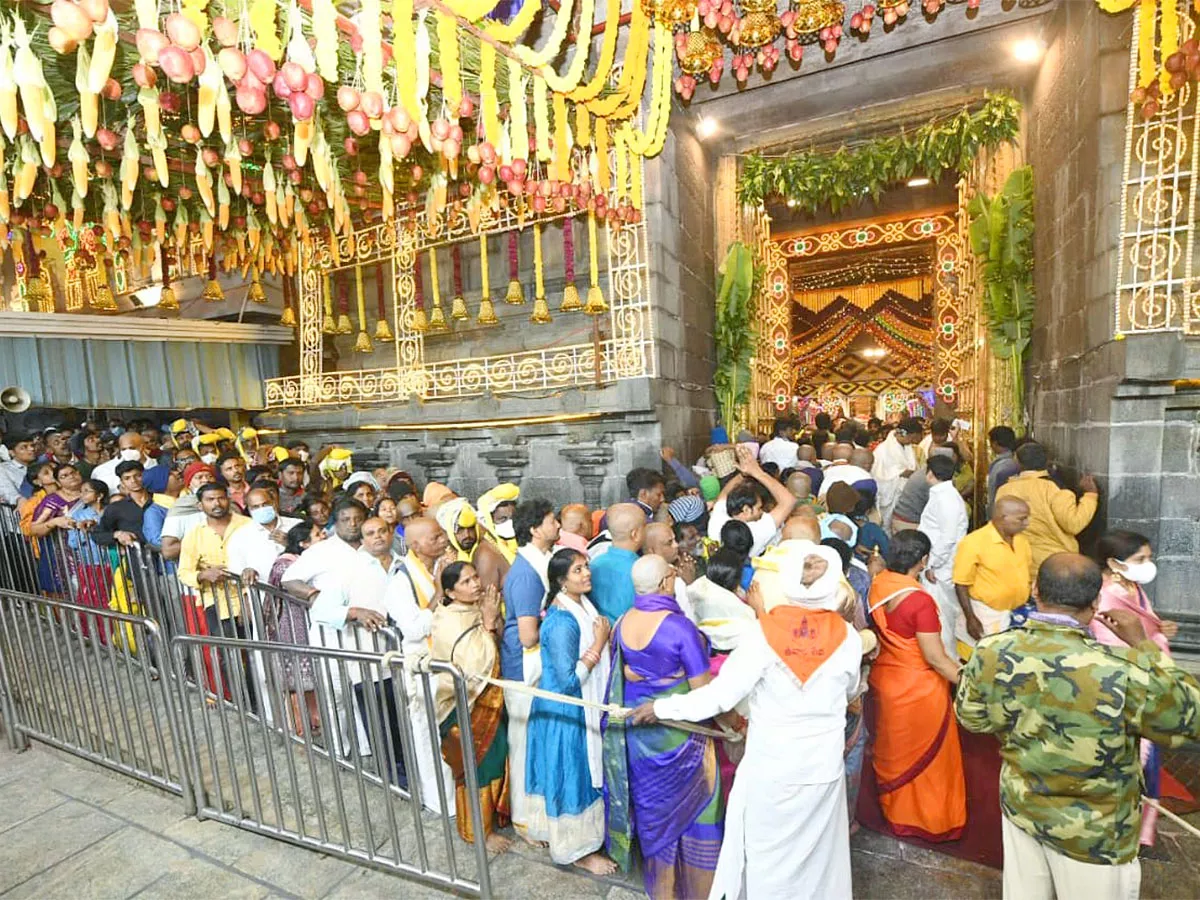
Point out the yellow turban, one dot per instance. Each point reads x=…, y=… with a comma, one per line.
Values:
x=453, y=515
x=335, y=466
x=503, y=493
x=208, y=439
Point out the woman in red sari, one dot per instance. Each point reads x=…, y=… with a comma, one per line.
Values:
x=917, y=760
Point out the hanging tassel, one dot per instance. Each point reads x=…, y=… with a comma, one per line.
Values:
x=362, y=344
x=383, y=331
x=437, y=318
x=288, y=319
x=458, y=306
x=570, y=300
x=419, y=323
x=256, y=292
x=212, y=292
x=596, y=304
x=328, y=326
x=487, y=311
x=343, y=321
x=541, y=310
x=516, y=293
x=167, y=300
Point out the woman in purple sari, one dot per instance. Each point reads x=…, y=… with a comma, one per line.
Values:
x=51, y=514
x=662, y=784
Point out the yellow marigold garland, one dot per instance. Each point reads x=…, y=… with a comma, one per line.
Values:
x=518, y=113
x=405, y=47
x=633, y=76
x=562, y=144
x=583, y=44
x=608, y=52
x=553, y=46
x=541, y=120
x=650, y=142
x=488, y=99
x=447, y=32
x=518, y=25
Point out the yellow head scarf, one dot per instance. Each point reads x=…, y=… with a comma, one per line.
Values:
x=453, y=515
x=503, y=493
x=336, y=466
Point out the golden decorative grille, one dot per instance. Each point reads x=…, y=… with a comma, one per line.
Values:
x=627, y=353
x=1156, y=290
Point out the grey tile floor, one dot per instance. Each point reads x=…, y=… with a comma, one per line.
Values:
x=70, y=830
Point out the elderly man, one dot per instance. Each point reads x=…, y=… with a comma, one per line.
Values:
x=131, y=447
x=991, y=573
x=740, y=500
x=660, y=540
x=612, y=584
x=1069, y=713
x=1055, y=515
x=843, y=470
x=895, y=460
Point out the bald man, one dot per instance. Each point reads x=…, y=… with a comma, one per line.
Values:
x=576, y=526
x=660, y=541
x=846, y=468
x=612, y=571
x=992, y=573
x=799, y=532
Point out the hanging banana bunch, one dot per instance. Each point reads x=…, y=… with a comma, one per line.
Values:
x=5, y=206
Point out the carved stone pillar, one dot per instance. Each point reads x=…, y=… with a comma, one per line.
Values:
x=437, y=462
x=591, y=462
x=509, y=461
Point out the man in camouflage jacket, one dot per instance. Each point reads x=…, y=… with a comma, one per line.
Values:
x=1069, y=712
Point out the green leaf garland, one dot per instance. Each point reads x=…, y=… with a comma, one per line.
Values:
x=815, y=180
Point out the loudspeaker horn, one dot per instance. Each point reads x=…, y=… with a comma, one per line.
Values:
x=15, y=399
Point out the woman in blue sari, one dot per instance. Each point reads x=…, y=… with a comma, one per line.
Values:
x=663, y=783
x=563, y=770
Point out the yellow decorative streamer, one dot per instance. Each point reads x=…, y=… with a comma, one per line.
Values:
x=518, y=112
x=633, y=77
x=562, y=145
x=488, y=100
x=569, y=80
x=583, y=127
x=405, y=48
x=1168, y=40
x=541, y=120
x=553, y=46
x=539, y=284
x=483, y=266
x=602, y=170
x=328, y=325
x=447, y=32
x=608, y=52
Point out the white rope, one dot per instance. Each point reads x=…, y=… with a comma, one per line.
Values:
x=1187, y=826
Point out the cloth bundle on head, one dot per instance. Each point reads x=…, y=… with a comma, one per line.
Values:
x=648, y=573
x=822, y=593
x=245, y=436
x=335, y=466
x=201, y=441
x=225, y=434
x=358, y=478
x=828, y=532
x=487, y=503
x=687, y=508
x=807, y=630
x=453, y=515
x=710, y=488
x=435, y=495
x=841, y=498
x=718, y=435
x=280, y=454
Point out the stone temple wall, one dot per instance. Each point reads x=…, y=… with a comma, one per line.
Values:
x=1114, y=408
x=625, y=424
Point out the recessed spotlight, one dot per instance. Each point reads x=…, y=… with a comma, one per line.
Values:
x=1028, y=50
x=918, y=182
x=706, y=127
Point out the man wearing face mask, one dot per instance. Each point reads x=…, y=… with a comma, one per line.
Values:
x=496, y=508
x=131, y=447
x=205, y=446
x=253, y=550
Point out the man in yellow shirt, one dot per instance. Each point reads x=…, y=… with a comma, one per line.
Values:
x=991, y=573
x=1055, y=515
x=202, y=562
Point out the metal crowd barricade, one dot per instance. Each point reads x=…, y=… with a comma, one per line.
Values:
x=83, y=680
x=235, y=700
x=337, y=784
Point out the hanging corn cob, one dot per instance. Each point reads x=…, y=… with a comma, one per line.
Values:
x=89, y=100
x=77, y=155
x=104, y=52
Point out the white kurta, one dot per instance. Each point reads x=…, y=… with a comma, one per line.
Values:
x=892, y=460
x=944, y=522
x=787, y=830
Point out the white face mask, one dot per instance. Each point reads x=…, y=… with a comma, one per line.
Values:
x=1140, y=573
x=304, y=456
x=131, y=455
x=208, y=458
x=507, y=530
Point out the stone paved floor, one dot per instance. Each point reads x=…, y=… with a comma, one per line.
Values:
x=71, y=830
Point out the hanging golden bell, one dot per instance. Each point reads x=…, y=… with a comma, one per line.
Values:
x=516, y=293
x=328, y=326
x=458, y=309
x=541, y=312
x=437, y=320
x=167, y=300
x=419, y=323
x=288, y=319
x=570, y=300
x=487, y=312
x=212, y=291
x=596, y=305
x=256, y=292
x=383, y=331
x=343, y=325
x=362, y=344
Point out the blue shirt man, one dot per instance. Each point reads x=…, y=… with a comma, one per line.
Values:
x=536, y=527
x=612, y=572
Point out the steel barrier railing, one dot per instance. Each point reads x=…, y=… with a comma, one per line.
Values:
x=106, y=655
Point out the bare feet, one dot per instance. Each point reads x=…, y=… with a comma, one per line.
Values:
x=597, y=864
x=541, y=845
x=497, y=844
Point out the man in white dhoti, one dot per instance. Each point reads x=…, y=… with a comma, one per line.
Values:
x=895, y=460
x=944, y=522
x=787, y=830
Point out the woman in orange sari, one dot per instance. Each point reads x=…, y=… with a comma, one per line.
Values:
x=917, y=760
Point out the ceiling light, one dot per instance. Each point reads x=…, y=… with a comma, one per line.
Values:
x=791, y=202
x=1028, y=50
x=706, y=127
x=873, y=353
x=148, y=297
x=918, y=182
